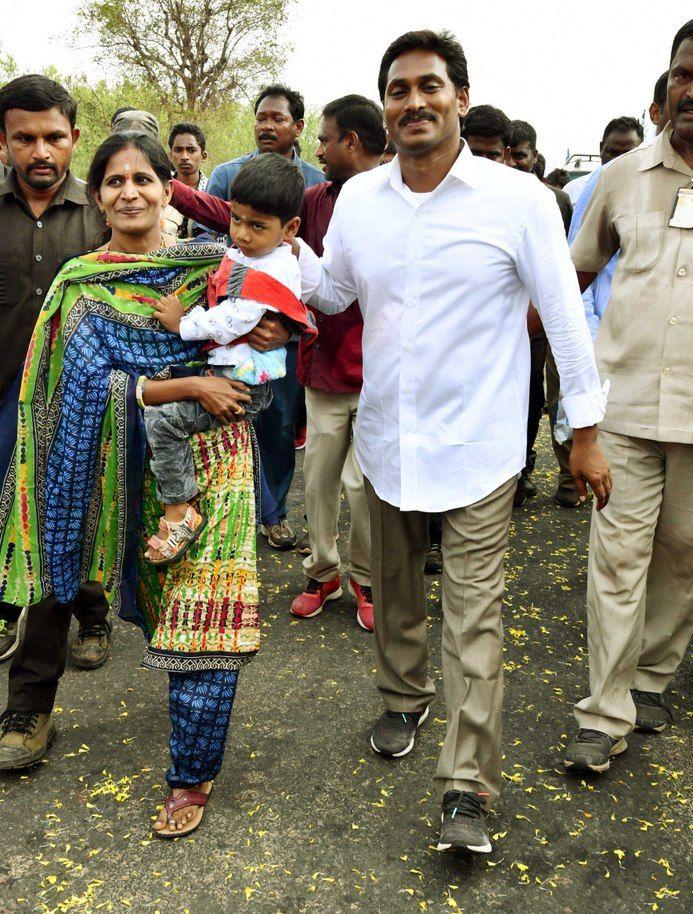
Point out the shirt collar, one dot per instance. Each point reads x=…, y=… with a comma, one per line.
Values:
x=661, y=152
x=463, y=169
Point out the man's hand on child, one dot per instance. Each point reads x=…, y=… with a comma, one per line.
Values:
x=169, y=311
x=269, y=333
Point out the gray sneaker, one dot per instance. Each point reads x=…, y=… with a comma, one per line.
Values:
x=9, y=636
x=394, y=732
x=592, y=750
x=462, y=823
x=651, y=714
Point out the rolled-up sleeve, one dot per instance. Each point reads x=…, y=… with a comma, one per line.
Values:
x=544, y=265
x=597, y=240
x=327, y=283
x=225, y=323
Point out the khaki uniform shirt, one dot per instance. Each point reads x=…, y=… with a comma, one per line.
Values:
x=644, y=346
x=31, y=253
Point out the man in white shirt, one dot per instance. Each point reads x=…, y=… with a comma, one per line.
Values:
x=443, y=251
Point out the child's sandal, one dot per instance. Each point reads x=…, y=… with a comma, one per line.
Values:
x=181, y=535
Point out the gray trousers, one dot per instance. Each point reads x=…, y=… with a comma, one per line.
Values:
x=474, y=542
x=171, y=425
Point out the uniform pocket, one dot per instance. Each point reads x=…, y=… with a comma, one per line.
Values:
x=642, y=236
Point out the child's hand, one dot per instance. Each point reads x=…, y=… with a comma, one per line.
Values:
x=169, y=311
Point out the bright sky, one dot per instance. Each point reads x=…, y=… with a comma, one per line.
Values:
x=567, y=68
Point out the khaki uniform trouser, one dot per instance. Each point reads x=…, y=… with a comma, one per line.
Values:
x=474, y=543
x=640, y=578
x=561, y=451
x=330, y=461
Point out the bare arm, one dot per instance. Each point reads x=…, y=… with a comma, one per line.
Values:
x=222, y=398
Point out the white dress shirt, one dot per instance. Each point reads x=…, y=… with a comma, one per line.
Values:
x=575, y=187
x=443, y=287
x=234, y=317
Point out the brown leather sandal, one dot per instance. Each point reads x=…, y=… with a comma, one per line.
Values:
x=182, y=801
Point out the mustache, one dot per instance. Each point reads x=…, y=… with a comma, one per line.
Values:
x=419, y=115
x=685, y=105
x=267, y=136
x=42, y=165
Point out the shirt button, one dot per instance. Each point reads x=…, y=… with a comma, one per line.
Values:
x=666, y=370
x=39, y=224
x=39, y=291
x=682, y=271
x=39, y=257
x=673, y=320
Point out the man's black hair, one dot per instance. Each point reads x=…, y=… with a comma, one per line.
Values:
x=187, y=127
x=271, y=185
x=444, y=44
x=358, y=114
x=540, y=166
x=623, y=125
x=36, y=93
x=659, y=96
x=559, y=177
x=489, y=122
x=522, y=132
x=279, y=90
x=685, y=33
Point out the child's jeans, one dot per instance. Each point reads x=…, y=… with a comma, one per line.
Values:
x=170, y=426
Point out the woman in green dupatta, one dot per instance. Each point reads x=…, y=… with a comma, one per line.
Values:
x=202, y=613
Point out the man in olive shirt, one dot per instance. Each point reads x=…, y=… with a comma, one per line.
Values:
x=45, y=219
x=640, y=573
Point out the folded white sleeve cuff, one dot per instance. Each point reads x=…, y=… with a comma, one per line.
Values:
x=188, y=327
x=311, y=270
x=583, y=410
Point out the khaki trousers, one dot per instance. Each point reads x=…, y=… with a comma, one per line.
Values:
x=330, y=461
x=640, y=578
x=561, y=451
x=474, y=543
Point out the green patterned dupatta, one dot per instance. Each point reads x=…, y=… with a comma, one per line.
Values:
x=66, y=512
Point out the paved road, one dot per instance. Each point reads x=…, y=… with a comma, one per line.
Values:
x=304, y=818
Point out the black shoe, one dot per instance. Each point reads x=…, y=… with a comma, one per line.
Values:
x=90, y=649
x=530, y=488
x=592, y=750
x=566, y=499
x=520, y=496
x=394, y=732
x=651, y=714
x=463, y=823
x=434, y=559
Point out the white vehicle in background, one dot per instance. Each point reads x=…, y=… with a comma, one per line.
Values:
x=578, y=164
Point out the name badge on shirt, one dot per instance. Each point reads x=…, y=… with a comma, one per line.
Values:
x=682, y=217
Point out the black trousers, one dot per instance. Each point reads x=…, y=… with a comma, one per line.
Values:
x=40, y=659
x=537, y=396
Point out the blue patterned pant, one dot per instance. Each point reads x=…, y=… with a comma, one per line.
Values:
x=200, y=707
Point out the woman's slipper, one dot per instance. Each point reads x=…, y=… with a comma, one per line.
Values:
x=180, y=536
x=184, y=799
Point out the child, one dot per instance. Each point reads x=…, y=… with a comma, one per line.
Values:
x=259, y=274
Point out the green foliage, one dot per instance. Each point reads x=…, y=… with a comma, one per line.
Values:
x=228, y=126
x=194, y=53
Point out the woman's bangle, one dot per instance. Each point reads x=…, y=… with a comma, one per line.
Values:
x=139, y=390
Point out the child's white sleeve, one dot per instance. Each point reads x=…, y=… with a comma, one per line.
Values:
x=229, y=320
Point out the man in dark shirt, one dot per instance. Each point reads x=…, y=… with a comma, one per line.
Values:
x=523, y=157
x=45, y=219
x=351, y=140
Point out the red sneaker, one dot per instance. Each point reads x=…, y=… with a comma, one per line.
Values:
x=317, y=593
x=300, y=439
x=364, y=605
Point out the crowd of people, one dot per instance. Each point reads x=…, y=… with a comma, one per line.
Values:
x=167, y=335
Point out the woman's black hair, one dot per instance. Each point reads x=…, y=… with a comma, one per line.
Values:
x=146, y=144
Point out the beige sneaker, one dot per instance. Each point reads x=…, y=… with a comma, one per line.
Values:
x=90, y=648
x=279, y=536
x=24, y=739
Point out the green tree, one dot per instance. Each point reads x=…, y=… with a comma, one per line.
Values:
x=194, y=54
